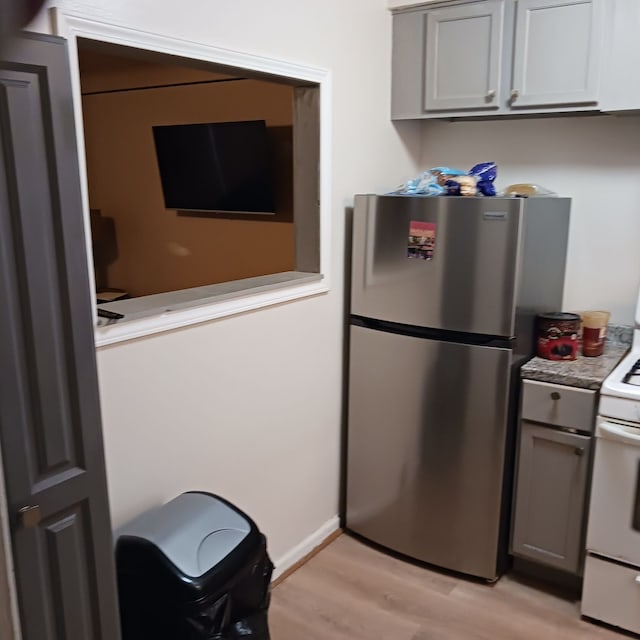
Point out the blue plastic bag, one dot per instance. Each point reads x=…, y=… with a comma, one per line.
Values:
x=486, y=173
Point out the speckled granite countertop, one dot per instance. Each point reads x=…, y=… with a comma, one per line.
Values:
x=586, y=373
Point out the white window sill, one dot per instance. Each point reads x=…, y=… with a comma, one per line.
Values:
x=167, y=311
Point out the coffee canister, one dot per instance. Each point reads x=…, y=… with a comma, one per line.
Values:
x=558, y=335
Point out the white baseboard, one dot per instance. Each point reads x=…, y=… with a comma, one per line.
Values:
x=305, y=547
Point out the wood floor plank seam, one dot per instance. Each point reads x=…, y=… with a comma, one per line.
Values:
x=350, y=591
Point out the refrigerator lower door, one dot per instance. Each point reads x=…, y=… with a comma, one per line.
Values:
x=426, y=448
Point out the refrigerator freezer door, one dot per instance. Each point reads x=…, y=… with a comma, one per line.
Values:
x=445, y=263
x=426, y=448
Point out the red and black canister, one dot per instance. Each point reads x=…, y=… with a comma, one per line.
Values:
x=558, y=335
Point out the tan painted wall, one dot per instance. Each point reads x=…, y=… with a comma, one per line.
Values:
x=159, y=250
x=250, y=406
x=100, y=70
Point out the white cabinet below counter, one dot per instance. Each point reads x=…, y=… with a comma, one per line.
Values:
x=515, y=57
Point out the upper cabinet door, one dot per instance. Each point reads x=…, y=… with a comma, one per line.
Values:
x=463, y=56
x=556, y=53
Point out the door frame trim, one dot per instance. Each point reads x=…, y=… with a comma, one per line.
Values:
x=9, y=624
x=72, y=27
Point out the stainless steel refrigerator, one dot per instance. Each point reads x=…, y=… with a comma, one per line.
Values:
x=444, y=293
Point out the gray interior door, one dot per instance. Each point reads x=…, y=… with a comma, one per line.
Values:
x=49, y=409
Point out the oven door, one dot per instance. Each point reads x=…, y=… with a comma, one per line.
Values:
x=614, y=517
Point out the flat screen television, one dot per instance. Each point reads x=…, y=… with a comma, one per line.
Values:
x=217, y=166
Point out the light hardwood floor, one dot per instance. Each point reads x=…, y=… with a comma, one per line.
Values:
x=350, y=591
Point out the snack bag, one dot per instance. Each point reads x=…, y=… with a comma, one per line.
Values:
x=450, y=181
x=430, y=183
x=462, y=186
x=486, y=173
x=527, y=190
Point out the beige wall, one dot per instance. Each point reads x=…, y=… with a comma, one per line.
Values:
x=159, y=250
x=595, y=161
x=182, y=409
x=250, y=406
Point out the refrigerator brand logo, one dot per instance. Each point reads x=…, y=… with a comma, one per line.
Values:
x=495, y=215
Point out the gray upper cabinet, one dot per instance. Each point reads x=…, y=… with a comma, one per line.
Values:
x=470, y=58
x=556, y=53
x=451, y=82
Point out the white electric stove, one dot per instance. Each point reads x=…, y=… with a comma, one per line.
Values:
x=611, y=591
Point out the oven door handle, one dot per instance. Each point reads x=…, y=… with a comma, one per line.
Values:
x=619, y=433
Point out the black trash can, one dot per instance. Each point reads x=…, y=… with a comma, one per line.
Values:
x=196, y=568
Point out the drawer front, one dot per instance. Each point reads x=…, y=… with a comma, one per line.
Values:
x=611, y=593
x=558, y=405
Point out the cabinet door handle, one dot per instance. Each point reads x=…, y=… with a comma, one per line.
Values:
x=515, y=94
x=579, y=451
x=555, y=395
x=491, y=94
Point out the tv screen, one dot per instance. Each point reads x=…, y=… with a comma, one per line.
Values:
x=218, y=166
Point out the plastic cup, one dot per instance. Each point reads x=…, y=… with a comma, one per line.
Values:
x=594, y=332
